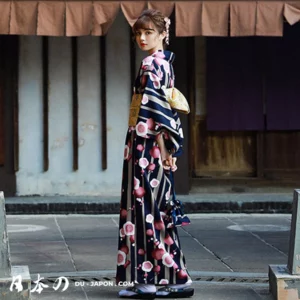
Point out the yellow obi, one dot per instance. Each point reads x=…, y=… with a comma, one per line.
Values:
x=134, y=109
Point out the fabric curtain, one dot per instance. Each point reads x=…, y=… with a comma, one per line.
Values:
x=192, y=18
x=51, y=18
x=234, y=84
x=4, y=20
x=283, y=80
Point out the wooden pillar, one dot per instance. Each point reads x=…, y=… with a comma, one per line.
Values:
x=9, y=89
x=180, y=47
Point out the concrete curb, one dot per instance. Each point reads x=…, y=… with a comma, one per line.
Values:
x=200, y=204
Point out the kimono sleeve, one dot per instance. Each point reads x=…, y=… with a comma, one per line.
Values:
x=156, y=116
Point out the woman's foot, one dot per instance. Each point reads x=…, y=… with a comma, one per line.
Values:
x=175, y=291
x=139, y=291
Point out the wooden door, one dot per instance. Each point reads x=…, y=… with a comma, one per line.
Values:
x=220, y=145
x=282, y=160
x=226, y=154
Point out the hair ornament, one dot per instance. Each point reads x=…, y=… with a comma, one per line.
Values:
x=168, y=22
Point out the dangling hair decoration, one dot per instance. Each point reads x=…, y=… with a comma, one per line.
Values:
x=168, y=22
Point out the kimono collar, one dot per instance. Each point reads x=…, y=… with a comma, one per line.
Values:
x=166, y=55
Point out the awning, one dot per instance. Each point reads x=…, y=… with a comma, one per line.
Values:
x=192, y=18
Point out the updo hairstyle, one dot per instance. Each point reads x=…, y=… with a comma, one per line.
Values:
x=160, y=22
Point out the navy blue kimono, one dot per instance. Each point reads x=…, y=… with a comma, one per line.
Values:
x=149, y=249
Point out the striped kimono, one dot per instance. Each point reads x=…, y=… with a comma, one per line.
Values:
x=149, y=248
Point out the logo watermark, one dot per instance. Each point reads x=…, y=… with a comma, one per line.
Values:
x=40, y=286
x=103, y=283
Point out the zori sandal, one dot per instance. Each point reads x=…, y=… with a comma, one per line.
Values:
x=135, y=293
x=168, y=292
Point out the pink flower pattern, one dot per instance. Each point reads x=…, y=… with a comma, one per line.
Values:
x=141, y=129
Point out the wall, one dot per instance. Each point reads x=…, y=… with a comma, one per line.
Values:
x=60, y=179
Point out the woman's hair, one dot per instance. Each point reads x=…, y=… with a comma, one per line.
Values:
x=160, y=22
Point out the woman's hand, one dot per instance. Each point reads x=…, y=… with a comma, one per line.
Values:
x=168, y=161
x=166, y=158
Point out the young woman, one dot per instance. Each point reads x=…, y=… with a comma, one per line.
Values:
x=149, y=248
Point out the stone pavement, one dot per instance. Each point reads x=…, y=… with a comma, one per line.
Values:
x=227, y=254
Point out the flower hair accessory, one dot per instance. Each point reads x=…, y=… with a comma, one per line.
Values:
x=168, y=22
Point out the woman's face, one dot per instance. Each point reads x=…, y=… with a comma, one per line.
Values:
x=149, y=39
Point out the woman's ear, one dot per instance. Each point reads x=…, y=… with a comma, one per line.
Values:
x=163, y=35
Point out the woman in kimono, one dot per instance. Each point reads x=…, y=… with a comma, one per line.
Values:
x=149, y=251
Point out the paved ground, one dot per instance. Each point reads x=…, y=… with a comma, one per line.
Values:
x=83, y=247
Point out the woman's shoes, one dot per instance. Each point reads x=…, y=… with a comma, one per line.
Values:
x=165, y=292
x=169, y=292
x=135, y=293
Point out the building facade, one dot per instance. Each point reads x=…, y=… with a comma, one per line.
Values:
x=65, y=90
